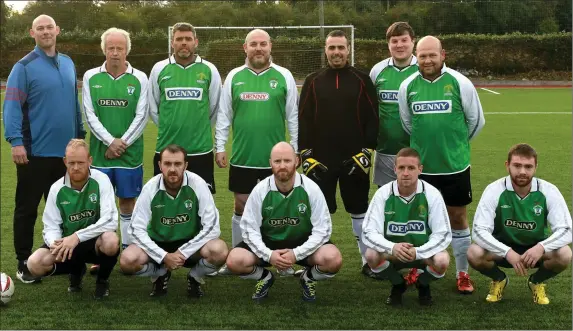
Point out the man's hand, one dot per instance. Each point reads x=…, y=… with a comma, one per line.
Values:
x=532, y=255
x=117, y=147
x=110, y=154
x=515, y=260
x=221, y=159
x=55, y=245
x=289, y=256
x=311, y=167
x=359, y=163
x=402, y=252
x=19, y=155
x=174, y=260
x=278, y=260
x=66, y=247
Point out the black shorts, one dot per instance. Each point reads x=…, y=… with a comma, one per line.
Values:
x=455, y=188
x=264, y=264
x=202, y=165
x=519, y=250
x=84, y=252
x=243, y=180
x=173, y=246
x=354, y=189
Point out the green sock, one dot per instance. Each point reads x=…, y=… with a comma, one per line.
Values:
x=494, y=273
x=542, y=275
x=393, y=275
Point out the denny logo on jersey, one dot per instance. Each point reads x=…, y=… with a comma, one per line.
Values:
x=121, y=103
x=184, y=93
x=286, y=221
x=82, y=215
x=432, y=107
x=178, y=219
x=254, y=96
x=403, y=229
x=388, y=96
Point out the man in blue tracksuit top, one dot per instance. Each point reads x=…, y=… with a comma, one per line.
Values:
x=41, y=115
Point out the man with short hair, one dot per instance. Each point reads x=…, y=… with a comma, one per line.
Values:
x=338, y=128
x=115, y=105
x=41, y=115
x=407, y=226
x=175, y=224
x=257, y=100
x=441, y=110
x=511, y=223
x=387, y=75
x=286, y=221
x=183, y=100
x=80, y=220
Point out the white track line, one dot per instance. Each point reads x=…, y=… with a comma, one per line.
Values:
x=494, y=92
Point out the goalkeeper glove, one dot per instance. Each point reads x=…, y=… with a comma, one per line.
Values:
x=311, y=167
x=359, y=162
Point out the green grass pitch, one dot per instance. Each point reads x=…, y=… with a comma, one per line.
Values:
x=348, y=301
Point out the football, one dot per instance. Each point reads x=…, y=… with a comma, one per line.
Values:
x=6, y=288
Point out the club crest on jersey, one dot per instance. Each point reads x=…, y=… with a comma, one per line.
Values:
x=254, y=96
x=81, y=215
x=121, y=103
x=448, y=90
x=388, y=96
x=184, y=93
x=403, y=229
x=422, y=211
x=188, y=204
x=273, y=84
x=179, y=219
x=93, y=197
x=432, y=107
x=537, y=209
x=130, y=89
x=522, y=225
x=301, y=208
x=287, y=221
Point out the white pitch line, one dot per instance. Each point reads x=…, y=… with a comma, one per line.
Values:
x=528, y=112
x=494, y=92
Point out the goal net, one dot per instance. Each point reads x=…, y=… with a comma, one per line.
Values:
x=297, y=48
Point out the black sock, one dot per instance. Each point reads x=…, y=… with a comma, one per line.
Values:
x=542, y=275
x=494, y=273
x=106, y=265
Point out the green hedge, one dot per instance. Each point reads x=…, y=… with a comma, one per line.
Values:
x=480, y=55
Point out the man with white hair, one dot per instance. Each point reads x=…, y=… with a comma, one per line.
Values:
x=115, y=105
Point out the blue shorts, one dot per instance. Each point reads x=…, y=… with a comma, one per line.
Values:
x=126, y=182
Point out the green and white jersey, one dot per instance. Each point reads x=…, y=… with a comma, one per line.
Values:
x=441, y=116
x=503, y=219
x=387, y=79
x=256, y=106
x=115, y=108
x=88, y=212
x=300, y=220
x=420, y=219
x=183, y=104
x=160, y=217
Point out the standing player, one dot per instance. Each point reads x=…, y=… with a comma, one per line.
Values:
x=183, y=98
x=511, y=223
x=440, y=109
x=286, y=221
x=407, y=226
x=115, y=104
x=175, y=224
x=338, y=126
x=387, y=76
x=256, y=101
x=80, y=220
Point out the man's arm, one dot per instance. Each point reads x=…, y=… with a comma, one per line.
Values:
x=137, y=126
x=96, y=128
x=291, y=108
x=373, y=226
x=52, y=218
x=484, y=217
x=405, y=112
x=80, y=131
x=214, y=94
x=16, y=95
x=154, y=94
x=320, y=219
x=225, y=115
x=306, y=113
x=471, y=106
x=209, y=218
x=369, y=113
x=439, y=223
x=251, y=224
x=559, y=219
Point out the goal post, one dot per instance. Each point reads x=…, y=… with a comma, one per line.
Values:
x=297, y=48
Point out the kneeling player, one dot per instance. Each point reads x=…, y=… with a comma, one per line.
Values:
x=286, y=221
x=79, y=224
x=407, y=226
x=175, y=224
x=510, y=227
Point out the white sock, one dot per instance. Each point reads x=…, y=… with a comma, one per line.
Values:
x=461, y=241
x=236, y=230
x=151, y=270
x=256, y=274
x=124, y=222
x=381, y=267
x=202, y=268
x=316, y=274
x=357, y=220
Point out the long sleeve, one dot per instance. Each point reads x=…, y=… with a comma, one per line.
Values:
x=373, y=226
x=209, y=218
x=80, y=131
x=306, y=112
x=320, y=219
x=225, y=114
x=16, y=95
x=214, y=94
x=108, y=210
x=96, y=128
x=369, y=113
x=154, y=95
x=51, y=217
x=137, y=126
x=439, y=224
x=405, y=112
x=471, y=105
x=251, y=224
x=292, y=110
x=483, y=224
x=558, y=217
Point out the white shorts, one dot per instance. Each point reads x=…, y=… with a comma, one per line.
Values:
x=384, y=169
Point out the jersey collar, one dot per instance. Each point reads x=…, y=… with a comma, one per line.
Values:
x=129, y=69
x=534, y=184
x=68, y=182
x=419, y=189
x=185, y=182
x=442, y=72
x=413, y=61
x=273, y=184
x=198, y=59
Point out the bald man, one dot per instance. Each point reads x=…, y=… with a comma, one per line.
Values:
x=259, y=101
x=286, y=222
x=41, y=115
x=441, y=110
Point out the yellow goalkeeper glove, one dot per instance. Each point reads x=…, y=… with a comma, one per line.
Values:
x=311, y=167
x=359, y=162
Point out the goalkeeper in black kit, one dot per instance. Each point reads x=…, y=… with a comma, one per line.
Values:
x=338, y=128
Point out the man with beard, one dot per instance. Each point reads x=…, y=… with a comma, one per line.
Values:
x=256, y=101
x=183, y=97
x=175, y=224
x=80, y=220
x=511, y=223
x=338, y=128
x=441, y=110
x=41, y=115
x=286, y=221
